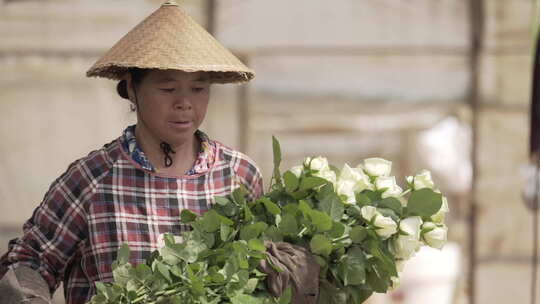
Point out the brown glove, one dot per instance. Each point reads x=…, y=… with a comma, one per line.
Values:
x=24, y=285
x=299, y=269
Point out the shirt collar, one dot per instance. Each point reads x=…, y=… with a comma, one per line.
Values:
x=202, y=163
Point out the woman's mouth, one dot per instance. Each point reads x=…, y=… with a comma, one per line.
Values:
x=181, y=124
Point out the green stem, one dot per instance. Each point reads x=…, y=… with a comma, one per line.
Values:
x=341, y=238
x=302, y=232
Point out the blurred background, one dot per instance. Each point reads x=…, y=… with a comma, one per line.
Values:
x=436, y=84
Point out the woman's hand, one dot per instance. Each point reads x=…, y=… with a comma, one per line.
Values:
x=299, y=268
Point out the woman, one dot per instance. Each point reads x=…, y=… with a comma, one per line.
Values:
x=133, y=189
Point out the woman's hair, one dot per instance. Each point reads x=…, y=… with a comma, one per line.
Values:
x=137, y=75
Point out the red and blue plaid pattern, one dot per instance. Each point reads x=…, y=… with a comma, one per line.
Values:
x=107, y=199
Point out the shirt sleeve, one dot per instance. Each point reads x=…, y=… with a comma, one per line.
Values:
x=256, y=187
x=57, y=226
x=249, y=175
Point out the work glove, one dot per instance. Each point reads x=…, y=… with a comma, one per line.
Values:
x=299, y=268
x=24, y=285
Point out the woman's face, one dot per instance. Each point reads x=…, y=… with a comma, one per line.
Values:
x=171, y=104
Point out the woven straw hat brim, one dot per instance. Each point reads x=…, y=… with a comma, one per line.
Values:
x=169, y=39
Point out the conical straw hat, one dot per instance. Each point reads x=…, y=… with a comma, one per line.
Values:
x=171, y=39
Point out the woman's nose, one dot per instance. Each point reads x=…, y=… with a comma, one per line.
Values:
x=182, y=103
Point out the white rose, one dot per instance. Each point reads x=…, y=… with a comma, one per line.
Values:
x=411, y=226
x=440, y=215
x=328, y=175
x=368, y=212
x=297, y=170
x=436, y=237
x=423, y=180
x=388, y=182
x=384, y=226
x=404, y=246
x=346, y=188
x=317, y=163
x=377, y=166
x=356, y=175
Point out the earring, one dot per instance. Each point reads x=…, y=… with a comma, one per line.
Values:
x=132, y=107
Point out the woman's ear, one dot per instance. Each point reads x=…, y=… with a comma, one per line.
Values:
x=129, y=87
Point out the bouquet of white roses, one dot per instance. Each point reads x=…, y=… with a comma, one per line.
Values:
x=357, y=222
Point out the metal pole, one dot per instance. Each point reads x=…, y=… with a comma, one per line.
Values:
x=476, y=23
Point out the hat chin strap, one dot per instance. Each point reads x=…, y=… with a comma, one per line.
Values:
x=164, y=146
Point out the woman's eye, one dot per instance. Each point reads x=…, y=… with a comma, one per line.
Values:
x=167, y=90
x=197, y=90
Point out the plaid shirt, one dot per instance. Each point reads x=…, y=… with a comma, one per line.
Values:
x=107, y=199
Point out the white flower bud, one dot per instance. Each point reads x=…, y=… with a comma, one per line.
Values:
x=328, y=175
x=384, y=226
x=411, y=226
x=404, y=246
x=377, y=166
x=423, y=180
x=437, y=236
x=317, y=163
x=388, y=183
x=346, y=188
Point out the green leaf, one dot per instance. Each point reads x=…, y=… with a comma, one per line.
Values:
x=143, y=272
x=368, y=197
x=320, y=245
x=376, y=280
x=273, y=234
x=225, y=232
x=257, y=245
x=121, y=274
x=384, y=258
x=391, y=203
x=222, y=201
x=210, y=221
x=102, y=288
x=123, y=254
x=362, y=199
x=252, y=231
x=291, y=181
x=304, y=207
x=424, y=202
x=352, y=268
x=332, y=205
x=245, y=299
x=251, y=285
x=270, y=206
x=187, y=216
x=225, y=220
x=276, y=149
x=358, y=234
x=239, y=195
x=312, y=182
x=355, y=211
x=338, y=229
x=164, y=271
x=288, y=224
x=320, y=220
